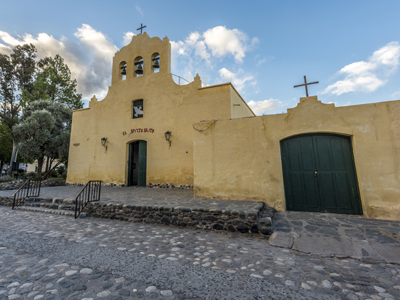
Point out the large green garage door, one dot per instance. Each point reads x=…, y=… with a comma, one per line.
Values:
x=319, y=174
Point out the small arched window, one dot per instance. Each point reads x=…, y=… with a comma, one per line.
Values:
x=138, y=66
x=122, y=70
x=155, y=62
x=138, y=109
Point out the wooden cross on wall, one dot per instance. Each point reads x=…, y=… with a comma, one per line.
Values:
x=305, y=84
x=141, y=28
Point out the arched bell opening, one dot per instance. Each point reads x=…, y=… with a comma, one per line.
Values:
x=155, y=62
x=122, y=70
x=138, y=67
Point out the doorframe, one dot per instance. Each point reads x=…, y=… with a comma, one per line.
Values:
x=354, y=158
x=127, y=158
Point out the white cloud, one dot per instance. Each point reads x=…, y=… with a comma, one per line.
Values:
x=396, y=94
x=264, y=60
x=200, y=52
x=265, y=106
x=127, y=37
x=367, y=76
x=89, y=58
x=139, y=10
x=238, y=79
x=222, y=41
x=217, y=42
x=5, y=49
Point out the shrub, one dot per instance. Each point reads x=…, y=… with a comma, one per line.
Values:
x=53, y=173
x=61, y=170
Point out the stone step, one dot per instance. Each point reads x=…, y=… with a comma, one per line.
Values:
x=51, y=205
x=50, y=200
x=51, y=211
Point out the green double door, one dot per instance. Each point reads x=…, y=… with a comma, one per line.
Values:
x=137, y=163
x=319, y=174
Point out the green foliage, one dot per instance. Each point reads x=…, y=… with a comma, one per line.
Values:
x=54, y=83
x=53, y=173
x=44, y=130
x=61, y=170
x=5, y=143
x=17, y=72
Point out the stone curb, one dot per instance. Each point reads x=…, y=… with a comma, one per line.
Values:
x=206, y=219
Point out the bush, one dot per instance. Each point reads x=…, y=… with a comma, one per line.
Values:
x=61, y=170
x=53, y=173
x=64, y=174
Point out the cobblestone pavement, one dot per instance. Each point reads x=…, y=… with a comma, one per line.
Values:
x=342, y=235
x=149, y=196
x=56, y=257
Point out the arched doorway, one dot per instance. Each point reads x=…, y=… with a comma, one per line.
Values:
x=319, y=174
x=137, y=163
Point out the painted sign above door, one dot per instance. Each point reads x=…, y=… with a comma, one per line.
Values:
x=139, y=130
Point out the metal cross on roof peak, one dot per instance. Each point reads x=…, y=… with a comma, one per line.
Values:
x=305, y=84
x=141, y=28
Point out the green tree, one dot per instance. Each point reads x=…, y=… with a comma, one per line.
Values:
x=6, y=145
x=53, y=82
x=44, y=131
x=17, y=72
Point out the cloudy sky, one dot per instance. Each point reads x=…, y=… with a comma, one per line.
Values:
x=263, y=47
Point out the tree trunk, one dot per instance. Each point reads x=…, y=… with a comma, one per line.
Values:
x=47, y=164
x=50, y=164
x=46, y=175
x=1, y=168
x=39, y=168
x=13, y=156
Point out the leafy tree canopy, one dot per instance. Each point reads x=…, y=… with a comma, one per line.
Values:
x=54, y=83
x=44, y=130
x=17, y=71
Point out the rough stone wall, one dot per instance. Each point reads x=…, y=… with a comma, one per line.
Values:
x=16, y=184
x=186, y=217
x=206, y=219
x=6, y=201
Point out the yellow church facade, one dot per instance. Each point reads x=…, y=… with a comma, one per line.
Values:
x=137, y=116
x=316, y=157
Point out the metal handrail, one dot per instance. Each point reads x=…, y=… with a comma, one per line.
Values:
x=30, y=188
x=90, y=193
x=180, y=78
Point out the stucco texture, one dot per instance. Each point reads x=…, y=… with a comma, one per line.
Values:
x=167, y=106
x=241, y=158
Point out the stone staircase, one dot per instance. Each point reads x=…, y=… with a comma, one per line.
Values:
x=64, y=207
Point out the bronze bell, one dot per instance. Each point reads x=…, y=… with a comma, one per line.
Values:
x=139, y=69
x=156, y=64
x=123, y=72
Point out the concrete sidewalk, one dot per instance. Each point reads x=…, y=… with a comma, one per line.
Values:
x=338, y=235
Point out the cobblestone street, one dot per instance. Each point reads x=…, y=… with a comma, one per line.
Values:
x=56, y=257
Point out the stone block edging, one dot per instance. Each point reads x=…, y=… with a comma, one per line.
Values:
x=206, y=219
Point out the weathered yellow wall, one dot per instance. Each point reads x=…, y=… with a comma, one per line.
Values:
x=241, y=158
x=166, y=106
x=239, y=107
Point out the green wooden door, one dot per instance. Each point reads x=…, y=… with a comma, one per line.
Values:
x=142, y=163
x=319, y=174
x=130, y=164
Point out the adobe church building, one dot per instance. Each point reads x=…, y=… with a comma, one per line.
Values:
x=316, y=157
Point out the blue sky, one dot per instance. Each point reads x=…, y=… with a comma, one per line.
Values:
x=264, y=47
